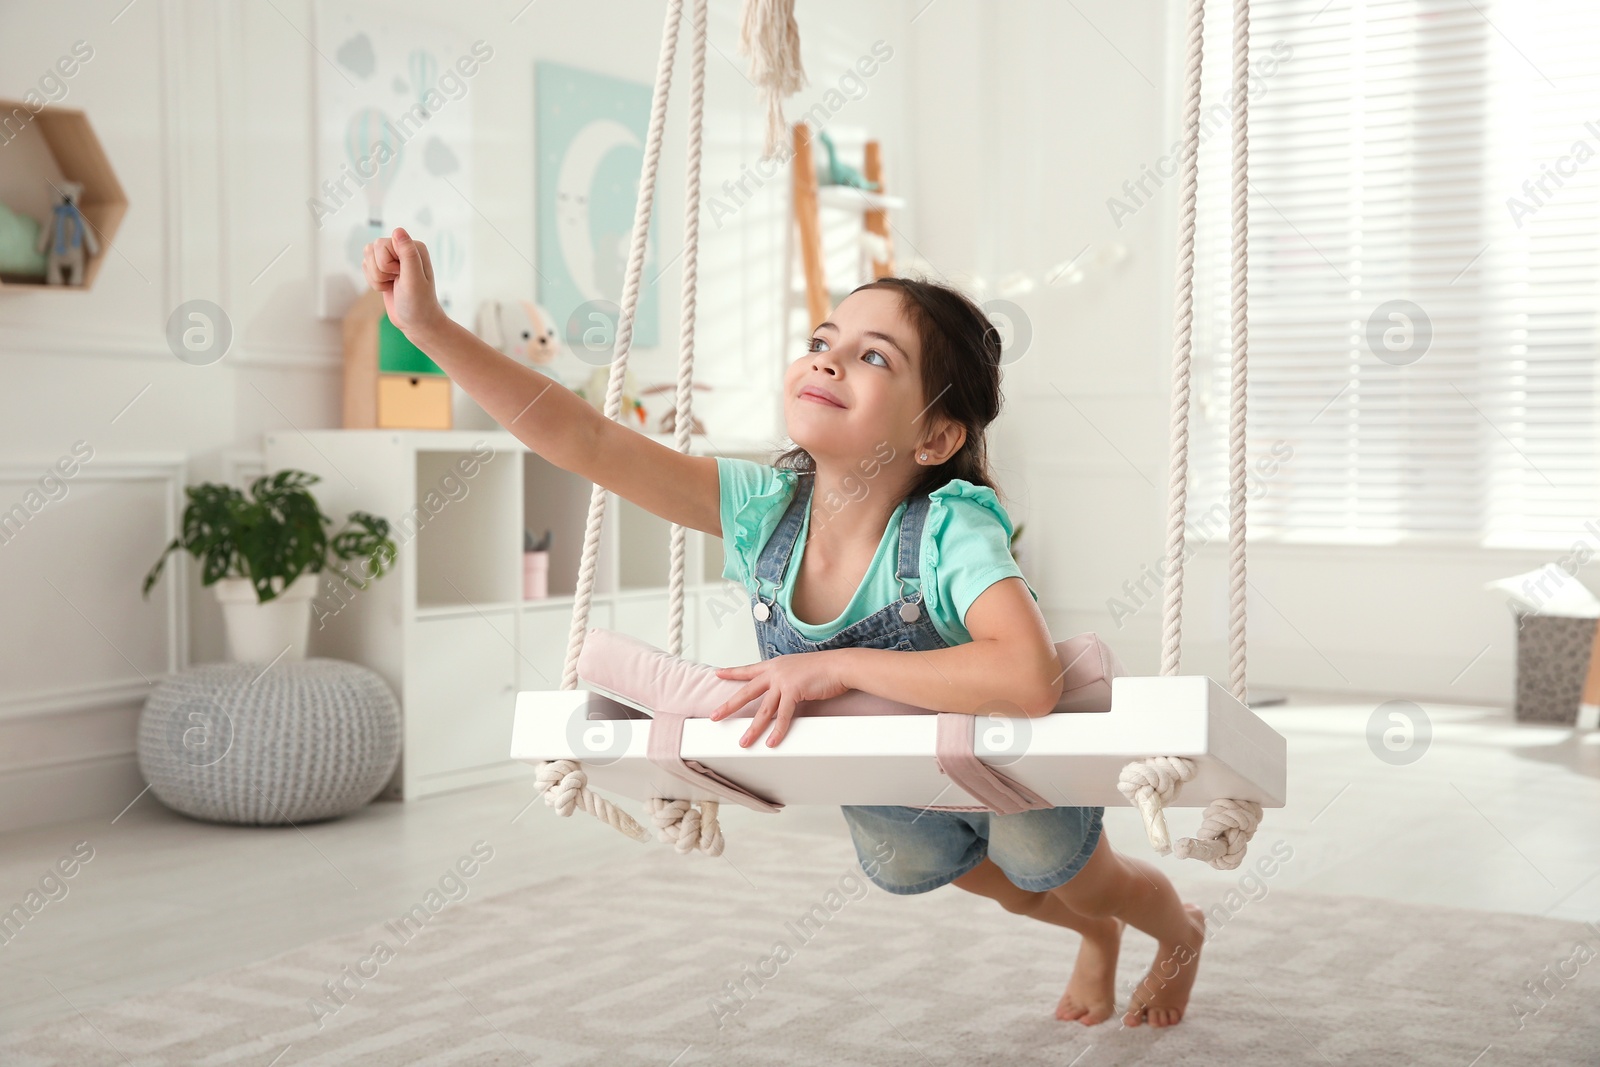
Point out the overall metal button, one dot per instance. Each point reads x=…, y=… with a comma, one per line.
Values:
x=909, y=612
x=762, y=612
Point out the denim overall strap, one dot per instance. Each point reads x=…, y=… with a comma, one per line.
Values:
x=908, y=564
x=903, y=623
x=774, y=558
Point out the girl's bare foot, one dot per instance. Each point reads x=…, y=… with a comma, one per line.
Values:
x=1164, y=993
x=1091, y=994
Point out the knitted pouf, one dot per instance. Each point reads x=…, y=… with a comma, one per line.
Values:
x=247, y=743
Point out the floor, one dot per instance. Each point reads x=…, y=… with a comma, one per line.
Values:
x=1468, y=809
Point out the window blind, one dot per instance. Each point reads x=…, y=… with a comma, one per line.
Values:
x=1424, y=270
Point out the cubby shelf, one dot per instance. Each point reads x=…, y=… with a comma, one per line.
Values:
x=43, y=149
x=449, y=629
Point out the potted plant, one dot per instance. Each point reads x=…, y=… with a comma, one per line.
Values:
x=263, y=554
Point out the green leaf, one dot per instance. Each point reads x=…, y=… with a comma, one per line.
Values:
x=272, y=537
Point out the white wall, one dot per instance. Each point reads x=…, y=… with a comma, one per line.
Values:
x=1030, y=115
x=207, y=113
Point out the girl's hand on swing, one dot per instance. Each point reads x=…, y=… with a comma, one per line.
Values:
x=786, y=680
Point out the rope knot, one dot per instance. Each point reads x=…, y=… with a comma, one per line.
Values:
x=686, y=826
x=564, y=784
x=1225, y=832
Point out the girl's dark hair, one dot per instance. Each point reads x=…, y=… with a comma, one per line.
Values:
x=960, y=377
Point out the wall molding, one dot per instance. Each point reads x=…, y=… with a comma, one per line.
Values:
x=328, y=359
x=169, y=471
x=91, y=788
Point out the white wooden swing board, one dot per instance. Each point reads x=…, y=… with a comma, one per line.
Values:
x=1070, y=758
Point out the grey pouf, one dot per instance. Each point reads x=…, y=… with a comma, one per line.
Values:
x=247, y=743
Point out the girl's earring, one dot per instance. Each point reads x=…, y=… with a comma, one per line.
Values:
x=924, y=455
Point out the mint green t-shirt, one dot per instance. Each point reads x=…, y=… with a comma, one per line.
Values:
x=966, y=547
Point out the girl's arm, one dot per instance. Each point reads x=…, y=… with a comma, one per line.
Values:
x=1010, y=667
x=545, y=415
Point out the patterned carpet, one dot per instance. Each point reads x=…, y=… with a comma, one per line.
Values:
x=634, y=965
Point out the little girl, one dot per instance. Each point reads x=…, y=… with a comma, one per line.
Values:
x=910, y=551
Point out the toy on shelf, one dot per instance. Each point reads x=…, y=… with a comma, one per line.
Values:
x=535, y=565
x=668, y=423
x=835, y=172
x=594, y=391
x=68, y=241
x=389, y=383
x=519, y=328
x=20, y=258
x=62, y=194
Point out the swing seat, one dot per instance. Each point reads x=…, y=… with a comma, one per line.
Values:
x=641, y=730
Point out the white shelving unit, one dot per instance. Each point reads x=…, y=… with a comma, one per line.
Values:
x=448, y=628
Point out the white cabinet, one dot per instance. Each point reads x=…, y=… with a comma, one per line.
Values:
x=467, y=719
x=542, y=641
x=448, y=628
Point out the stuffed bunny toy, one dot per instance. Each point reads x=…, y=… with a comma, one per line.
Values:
x=67, y=240
x=521, y=329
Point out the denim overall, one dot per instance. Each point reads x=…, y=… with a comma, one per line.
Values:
x=904, y=849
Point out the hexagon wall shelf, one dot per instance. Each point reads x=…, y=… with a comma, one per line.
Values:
x=52, y=145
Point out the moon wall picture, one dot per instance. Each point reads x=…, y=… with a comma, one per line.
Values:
x=589, y=147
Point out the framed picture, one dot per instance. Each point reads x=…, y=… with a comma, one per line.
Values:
x=589, y=139
x=394, y=147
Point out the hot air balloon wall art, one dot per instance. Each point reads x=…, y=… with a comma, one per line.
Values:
x=589, y=139
x=394, y=148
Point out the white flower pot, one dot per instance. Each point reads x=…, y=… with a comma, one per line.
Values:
x=260, y=632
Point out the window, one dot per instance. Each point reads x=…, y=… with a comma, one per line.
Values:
x=1424, y=271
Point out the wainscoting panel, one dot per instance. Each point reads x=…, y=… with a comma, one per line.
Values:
x=74, y=552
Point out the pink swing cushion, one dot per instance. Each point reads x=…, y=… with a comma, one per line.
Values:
x=672, y=689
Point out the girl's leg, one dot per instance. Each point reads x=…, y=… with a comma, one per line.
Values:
x=988, y=880
x=1091, y=991
x=1111, y=885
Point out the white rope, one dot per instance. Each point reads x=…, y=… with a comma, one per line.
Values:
x=1225, y=832
x=687, y=826
x=1240, y=297
x=563, y=782
x=769, y=36
x=565, y=788
x=574, y=790
x=1150, y=785
x=1183, y=328
x=1227, y=826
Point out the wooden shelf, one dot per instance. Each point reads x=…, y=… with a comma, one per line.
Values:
x=58, y=144
x=446, y=611
x=849, y=198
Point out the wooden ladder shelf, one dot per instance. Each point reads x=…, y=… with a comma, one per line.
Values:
x=808, y=203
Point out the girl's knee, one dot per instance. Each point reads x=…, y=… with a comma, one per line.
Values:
x=1105, y=885
x=987, y=880
x=1023, y=902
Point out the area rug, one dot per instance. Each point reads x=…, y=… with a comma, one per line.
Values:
x=669, y=961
